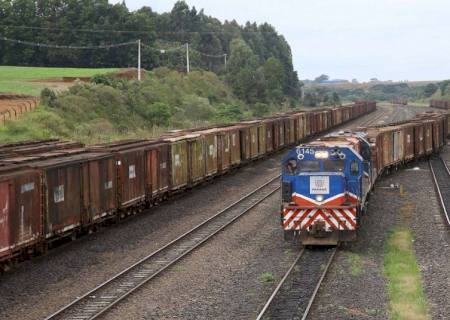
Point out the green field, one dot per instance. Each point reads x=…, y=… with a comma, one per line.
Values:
x=31, y=80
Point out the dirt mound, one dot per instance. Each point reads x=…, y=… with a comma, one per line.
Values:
x=131, y=73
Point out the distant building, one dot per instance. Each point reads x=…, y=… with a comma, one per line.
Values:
x=335, y=81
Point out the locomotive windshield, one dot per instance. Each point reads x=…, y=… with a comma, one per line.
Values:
x=309, y=166
x=334, y=165
x=291, y=166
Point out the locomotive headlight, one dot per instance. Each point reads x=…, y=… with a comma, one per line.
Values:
x=322, y=154
x=319, y=198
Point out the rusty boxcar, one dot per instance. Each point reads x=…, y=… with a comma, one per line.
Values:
x=20, y=211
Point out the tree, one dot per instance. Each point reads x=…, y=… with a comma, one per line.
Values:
x=207, y=36
x=443, y=86
x=336, y=99
x=430, y=89
x=159, y=114
x=275, y=77
x=321, y=78
x=310, y=100
x=242, y=71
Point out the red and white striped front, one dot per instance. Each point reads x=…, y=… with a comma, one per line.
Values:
x=332, y=213
x=297, y=218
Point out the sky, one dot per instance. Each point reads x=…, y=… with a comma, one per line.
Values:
x=346, y=39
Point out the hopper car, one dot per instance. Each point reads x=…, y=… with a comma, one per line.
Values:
x=52, y=190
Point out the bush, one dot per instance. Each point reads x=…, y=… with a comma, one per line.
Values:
x=260, y=109
x=197, y=108
x=48, y=97
x=159, y=114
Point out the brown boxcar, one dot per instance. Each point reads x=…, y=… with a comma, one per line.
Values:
x=282, y=134
x=253, y=139
x=289, y=130
x=211, y=151
x=223, y=149
x=419, y=149
x=398, y=144
x=62, y=181
x=157, y=169
x=278, y=134
x=387, y=149
x=20, y=211
x=244, y=142
x=376, y=141
x=301, y=128
x=196, y=146
x=308, y=122
x=131, y=175
x=262, y=136
x=235, y=145
x=99, y=183
x=428, y=136
x=408, y=134
x=269, y=125
x=178, y=149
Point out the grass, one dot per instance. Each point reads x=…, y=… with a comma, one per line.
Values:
x=407, y=300
x=23, y=79
x=267, y=277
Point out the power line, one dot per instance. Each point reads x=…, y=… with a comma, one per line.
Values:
x=131, y=31
x=77, y=30
x=210, y=55
x=162, y=50
x=115, y=45
x=56, y=46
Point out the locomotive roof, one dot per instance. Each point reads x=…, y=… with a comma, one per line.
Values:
x=339, y=139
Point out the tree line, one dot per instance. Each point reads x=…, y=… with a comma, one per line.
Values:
x=259, y=59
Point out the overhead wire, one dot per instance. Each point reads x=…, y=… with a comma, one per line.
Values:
x=129, y=31
x=57, y=46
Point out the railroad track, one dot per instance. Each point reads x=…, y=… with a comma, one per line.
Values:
x=372, y=120
x=441, y=177
x=297, y=290
x=99, y=300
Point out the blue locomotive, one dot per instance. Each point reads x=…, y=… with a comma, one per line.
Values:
x=324, y=188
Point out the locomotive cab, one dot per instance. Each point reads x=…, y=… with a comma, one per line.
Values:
x=323, y=187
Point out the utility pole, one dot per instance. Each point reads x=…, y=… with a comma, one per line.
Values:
x=187, y=58
x=225, y=56
x=139, y=60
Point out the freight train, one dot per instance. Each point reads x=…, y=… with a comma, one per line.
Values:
x=326, y=183
x=54, y=189
x=440, y=104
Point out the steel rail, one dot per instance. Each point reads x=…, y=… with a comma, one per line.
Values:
x=271, y=301
x=316, y=289
x=106, y=295
x=439, y=186
x=374, y=118
x=280, y=284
